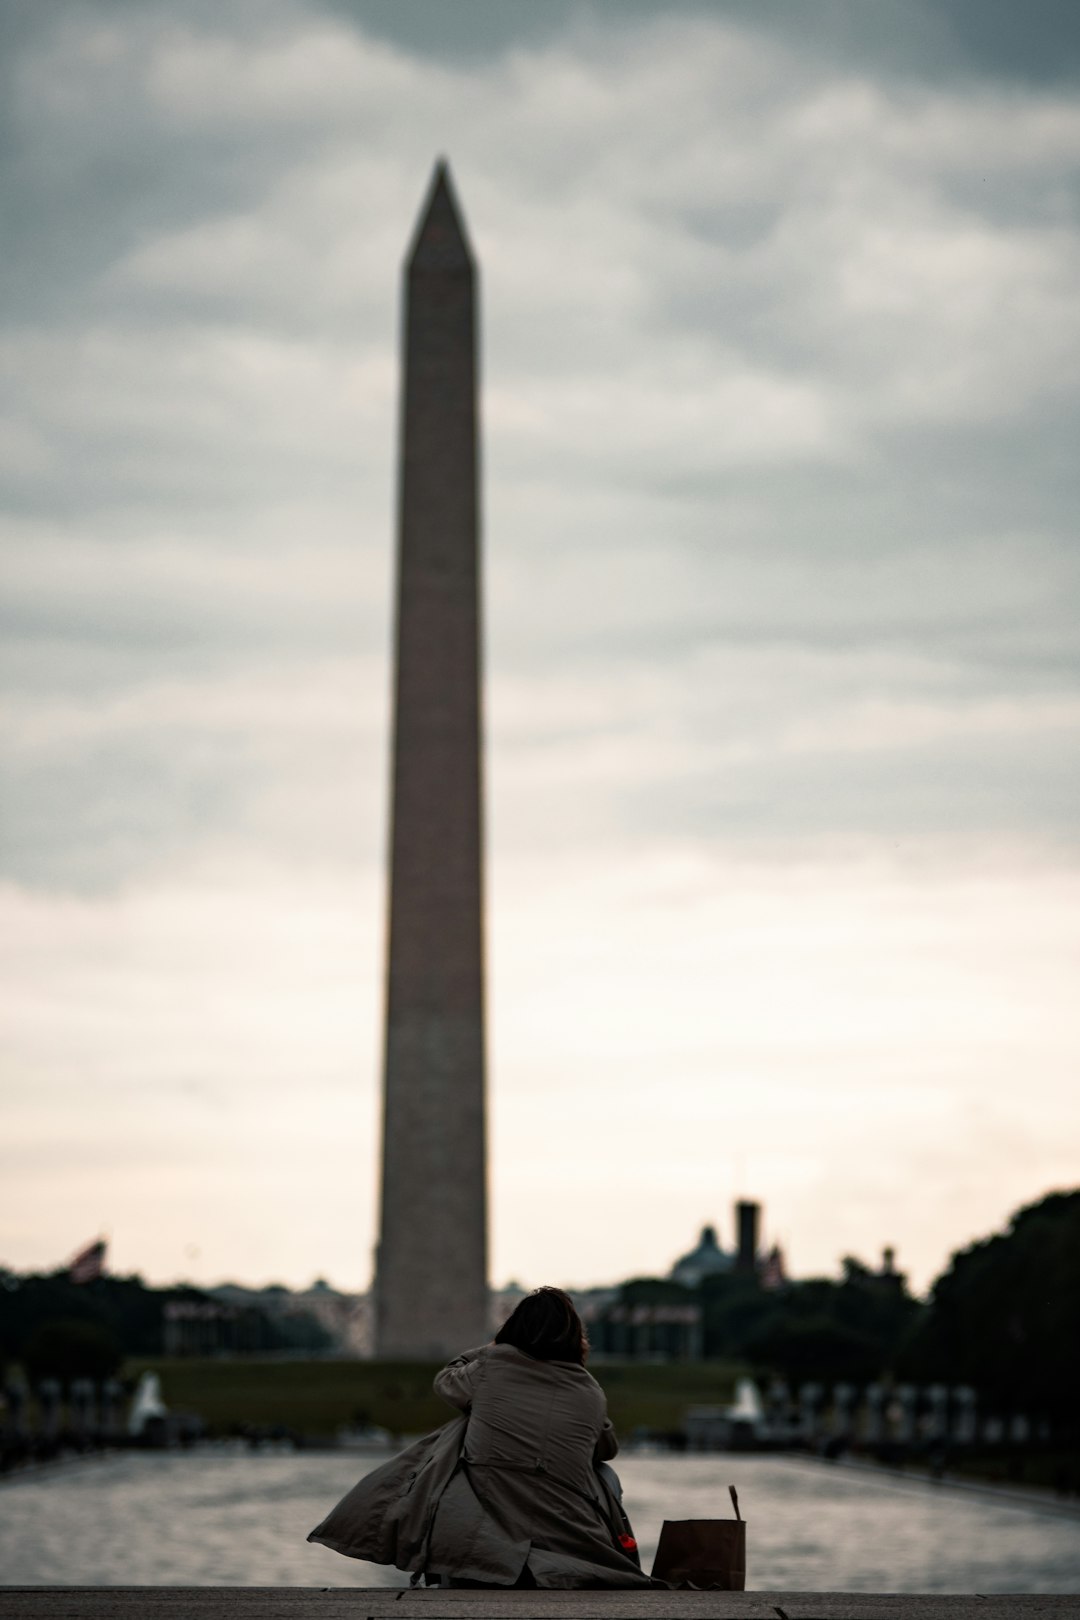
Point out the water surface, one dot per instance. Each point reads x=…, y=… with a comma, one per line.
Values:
x=220, y=1518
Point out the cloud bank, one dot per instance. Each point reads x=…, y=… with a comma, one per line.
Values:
x=780, y=371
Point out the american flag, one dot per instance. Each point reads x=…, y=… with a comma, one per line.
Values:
x=88, y=1264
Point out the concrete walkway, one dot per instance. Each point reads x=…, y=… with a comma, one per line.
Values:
x=366, y=1603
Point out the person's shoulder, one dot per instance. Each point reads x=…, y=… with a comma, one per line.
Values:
x=509, y=1356
x=594, y=1389
x=578, y=1373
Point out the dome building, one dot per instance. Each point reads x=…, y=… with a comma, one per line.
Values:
x=708, y=1259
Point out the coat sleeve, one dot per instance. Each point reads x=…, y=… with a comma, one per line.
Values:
x=608, y=1445
x=458, y=1379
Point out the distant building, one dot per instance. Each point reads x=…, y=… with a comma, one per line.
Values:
x=201, y=1327
x=747, y=1227
x=650, y=1331
x=664, y=1318
x=888, y=1273
x=318, y=1319
x=346, y=1318
x=591, y=1303
x=706, y=1260
x=885, y=1280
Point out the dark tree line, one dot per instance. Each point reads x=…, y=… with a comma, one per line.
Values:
x=818, y=1330
x=55, y=1328
x=1004, y=1317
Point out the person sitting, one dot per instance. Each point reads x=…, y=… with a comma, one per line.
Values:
x=517, y=1492
x=537, y=1436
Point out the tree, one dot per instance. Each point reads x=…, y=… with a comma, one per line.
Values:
x=68, y=1348
x=735, y=1309
x=816, y=1348
x=818, y=1329
x=1005, y=1315
x=124, y=1306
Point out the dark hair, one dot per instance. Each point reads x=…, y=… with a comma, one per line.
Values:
x=545, y=1325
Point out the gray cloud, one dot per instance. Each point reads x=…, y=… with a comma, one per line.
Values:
x=924, y=38
x=780, y=355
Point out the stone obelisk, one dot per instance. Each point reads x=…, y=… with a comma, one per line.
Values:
x=431, y=1267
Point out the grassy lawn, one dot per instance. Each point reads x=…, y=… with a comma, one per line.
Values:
x=657, y=1396
x=315, y=1398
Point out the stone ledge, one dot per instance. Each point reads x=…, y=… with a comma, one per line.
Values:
x=390, y=1603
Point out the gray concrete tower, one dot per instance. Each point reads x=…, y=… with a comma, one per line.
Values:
x=431, y=1267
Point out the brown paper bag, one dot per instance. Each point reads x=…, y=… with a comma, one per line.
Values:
x=703, y=1553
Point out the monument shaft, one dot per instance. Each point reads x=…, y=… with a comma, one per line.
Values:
x=431, y=1273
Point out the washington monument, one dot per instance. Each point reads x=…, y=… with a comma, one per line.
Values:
x=431, y=1266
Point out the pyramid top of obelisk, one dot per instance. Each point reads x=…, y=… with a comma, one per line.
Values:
x=440, y=242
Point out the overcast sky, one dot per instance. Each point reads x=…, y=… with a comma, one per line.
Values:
x=781, y=360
